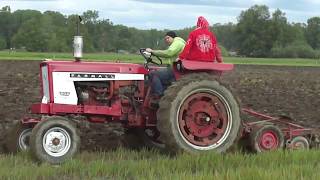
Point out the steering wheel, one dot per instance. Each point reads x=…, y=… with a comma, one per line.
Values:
x=148, y=57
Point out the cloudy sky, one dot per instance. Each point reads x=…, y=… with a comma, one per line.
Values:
x=169, y=14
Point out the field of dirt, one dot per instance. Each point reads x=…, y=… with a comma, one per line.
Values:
x=290, y=91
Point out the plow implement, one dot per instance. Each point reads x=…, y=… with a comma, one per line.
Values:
x=272, y=133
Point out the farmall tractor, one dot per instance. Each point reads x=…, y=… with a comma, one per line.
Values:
x=196, y=113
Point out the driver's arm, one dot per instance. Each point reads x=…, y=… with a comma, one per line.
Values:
x=172, y=51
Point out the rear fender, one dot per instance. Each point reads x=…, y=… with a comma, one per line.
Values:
x=206, y=66
x=30, y=121
x=186, y=66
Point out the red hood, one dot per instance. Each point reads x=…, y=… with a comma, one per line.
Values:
x=202, y=23
x=98, y=67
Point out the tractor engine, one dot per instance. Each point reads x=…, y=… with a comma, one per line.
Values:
x=109, y=93
x=105, y=92
x=93, y=93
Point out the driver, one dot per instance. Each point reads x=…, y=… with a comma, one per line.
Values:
x=165, y=76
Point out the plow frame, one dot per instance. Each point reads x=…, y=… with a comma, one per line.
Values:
x=289, y=128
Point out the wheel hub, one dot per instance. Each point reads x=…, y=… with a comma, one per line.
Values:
x=56, y=142
x=201, y=123
x=269, y=141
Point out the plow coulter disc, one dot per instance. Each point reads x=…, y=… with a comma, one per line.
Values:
x=266, y=138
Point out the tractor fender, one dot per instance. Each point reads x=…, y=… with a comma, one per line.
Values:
x=29, y=120
x=201, y=65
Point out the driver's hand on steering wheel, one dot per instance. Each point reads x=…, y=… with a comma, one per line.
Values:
x=149, y=50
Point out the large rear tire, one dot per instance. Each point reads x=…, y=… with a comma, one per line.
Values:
x=198, y=114
x=54, y=140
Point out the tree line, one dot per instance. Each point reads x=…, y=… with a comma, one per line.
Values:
x=257, y=33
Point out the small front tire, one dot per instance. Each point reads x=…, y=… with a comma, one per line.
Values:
x=18, y=138
x=54, y=140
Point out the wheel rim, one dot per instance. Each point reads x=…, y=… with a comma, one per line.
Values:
x=204, y=119
x=23, y=140
x=56, y=142
x=269, y=141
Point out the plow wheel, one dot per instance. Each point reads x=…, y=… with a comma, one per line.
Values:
x=54, y=140
x=18, y=138
x=266, y=138
x=197, y=114
x=298, y=143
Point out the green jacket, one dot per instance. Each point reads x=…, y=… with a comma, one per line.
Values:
x=173, y=50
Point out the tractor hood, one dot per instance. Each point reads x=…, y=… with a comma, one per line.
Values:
x=95, y=67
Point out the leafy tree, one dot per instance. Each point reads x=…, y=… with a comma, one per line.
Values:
x=6, y=25
x=313, y=32
x=90, y=17
x=53, y=25
x=33, y=35
x=103, y=40
x=226, y=35
x=257, y=33
x=252, y=34
x=279, y=29
x=3, y=43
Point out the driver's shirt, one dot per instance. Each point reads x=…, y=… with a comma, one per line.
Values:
x=173, y=50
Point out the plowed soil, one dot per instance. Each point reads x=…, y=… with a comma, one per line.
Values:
x=273, y=90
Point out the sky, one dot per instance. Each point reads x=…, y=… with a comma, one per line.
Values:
x=169, y=14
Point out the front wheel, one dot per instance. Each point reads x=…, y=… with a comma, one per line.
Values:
x=198, y=114
x=54, y=140
x=18, y=138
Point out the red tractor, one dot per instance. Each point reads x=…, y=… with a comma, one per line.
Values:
x=196, y=114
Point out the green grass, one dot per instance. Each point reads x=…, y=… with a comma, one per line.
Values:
x=128, y=164
x=135, y=58
x=274, y=61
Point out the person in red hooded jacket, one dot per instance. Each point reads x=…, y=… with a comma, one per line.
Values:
x=202, y=44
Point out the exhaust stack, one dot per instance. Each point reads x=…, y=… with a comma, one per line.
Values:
x=77, y=47
x=78, y=43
